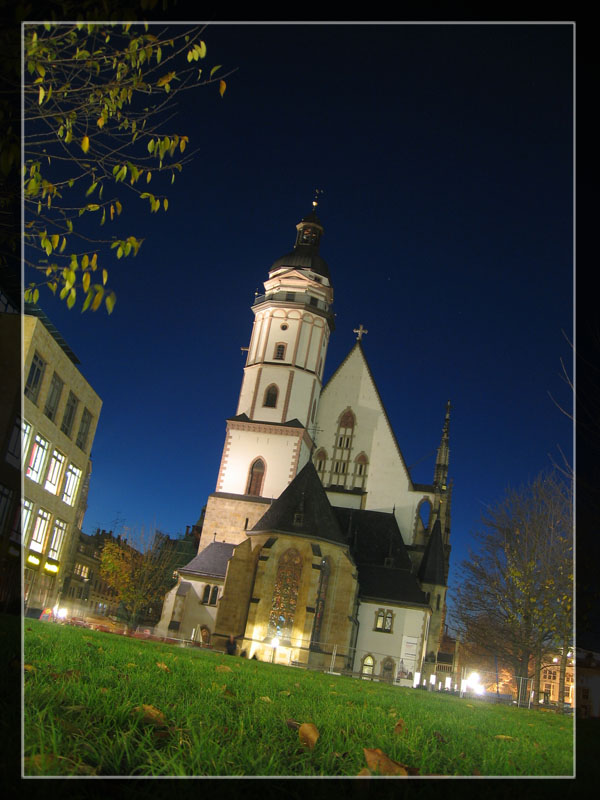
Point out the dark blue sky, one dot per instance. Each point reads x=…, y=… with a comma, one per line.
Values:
x=445, y=153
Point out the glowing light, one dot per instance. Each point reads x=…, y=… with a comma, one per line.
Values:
x=33, y=559
x=51, y=567
x=448, y=682
x=417, y=679
x=479, y=689
x=432, y=679
x=473, y=680
x=275, y=642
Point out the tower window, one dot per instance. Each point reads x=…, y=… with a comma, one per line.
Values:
x=279, y=353
x=271, y=394
x=255, y=478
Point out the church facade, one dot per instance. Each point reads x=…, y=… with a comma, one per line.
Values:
x=317, y=546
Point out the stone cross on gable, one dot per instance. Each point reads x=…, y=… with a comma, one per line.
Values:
x=360, y=331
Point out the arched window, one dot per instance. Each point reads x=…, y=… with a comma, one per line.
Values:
x=206, y=594
x=255, y=478
x=383, y=620
x=285, y=595
x=279, y=353
x=214, y=595
x=361, y=463
x=320, y=460
x=342, y=446
x=271, y=395
x=367, y=665
x=320, y=608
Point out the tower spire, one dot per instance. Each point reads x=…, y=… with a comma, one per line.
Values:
x=440, y=475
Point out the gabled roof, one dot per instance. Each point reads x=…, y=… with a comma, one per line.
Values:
x=292, y=423
x=373, y=537
x=388, y=584
x=358, y=346
x=432, y=569
x=302, y=510
x=211, y=561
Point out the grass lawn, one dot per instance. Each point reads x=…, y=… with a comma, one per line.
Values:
x=101, y=704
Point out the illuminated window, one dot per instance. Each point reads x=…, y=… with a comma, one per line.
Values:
x=367, y=665
x=84, y=429
x=58, y=536
x=383, y=620
x=271, y=394
x=54, y=472
x=255, y=478
x=34, y=379
x=53, y=398
x=37, y=459
x=72, y=479
x=69, y=415
x=40, y=530
x=285, y=595
x=81, y=570
x=23, y=521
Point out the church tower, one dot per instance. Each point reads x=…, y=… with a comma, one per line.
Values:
x=269, y=439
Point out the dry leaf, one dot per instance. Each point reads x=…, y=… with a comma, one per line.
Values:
x=266, y=699
x=131, y=665
x=439, y=736
x=291, y=723
x=163, y=666
x=502, y=736
x=476, y=772
x=28, y=667
x=222, y=668
x=285, y=693
x=308, y=734
x=151, y=715
x=364, y=773
x=400, y=726
x=42, y=762
x=104, y=690
x=379, y=762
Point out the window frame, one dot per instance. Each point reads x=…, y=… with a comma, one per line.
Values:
x=37, y=458
x=69, y=414
x=279, y=351
x=271, y=396
x=71, y=484
x=85, y=426
x=39, y=534
x=59, y=533
x=56, y=466
x=35, y=377
x=54, y=394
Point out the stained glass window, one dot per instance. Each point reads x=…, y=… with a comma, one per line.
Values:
x=321, y=596
x=285, y=595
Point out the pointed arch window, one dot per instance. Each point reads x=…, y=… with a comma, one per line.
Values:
x=320, y=607
x=214, y=595
x=206, y=594
x=320, y=460
x=361, y=463
x=256, y=477
x=271, y=395
x=285, y=595
x=342, y=447
x=383, y=620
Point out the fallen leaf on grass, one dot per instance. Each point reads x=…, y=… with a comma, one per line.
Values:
x=285, y=693
x=308, y=734
x=384, y=765
x=151, y=715
x=439, y=737
x=222, y=668
x=29, y=668
x=266, y=699
x=400, y=726
x=104, y=690
x=502, y=736
x=291, y=723
x=131, y=664
x=364, y=773
x=476, y=772
x=163, y=666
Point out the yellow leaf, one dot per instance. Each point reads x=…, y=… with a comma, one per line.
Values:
x=266, y=699
x=104, y=277
x=364, y=773
x=28, y=667
x=502, y=736
x=379, y=762
x=151, y=715
x=100, y=122
x=308, y=734
x=163, y=666
x=110, y=302
x=85, y=144
x=222, y=87
x=41, y=95
x=86, y=281
x=222, y=668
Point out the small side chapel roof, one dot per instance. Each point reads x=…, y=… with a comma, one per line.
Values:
x=211, y=561
x=303, y=510
x=373, y=536
x=383, y=584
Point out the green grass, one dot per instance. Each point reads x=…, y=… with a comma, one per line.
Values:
x=82, y=686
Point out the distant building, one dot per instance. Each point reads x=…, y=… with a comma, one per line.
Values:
x=587, y=687
x=51, y=441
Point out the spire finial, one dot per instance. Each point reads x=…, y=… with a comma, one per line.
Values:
x=315, y=202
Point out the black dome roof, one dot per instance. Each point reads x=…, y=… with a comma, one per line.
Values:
x=303, y=257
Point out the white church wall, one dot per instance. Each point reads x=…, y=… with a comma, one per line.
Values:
x=404, y=643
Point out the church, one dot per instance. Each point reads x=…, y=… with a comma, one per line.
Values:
x=317, y=547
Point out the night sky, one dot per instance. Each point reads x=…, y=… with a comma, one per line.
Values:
x=445, y=155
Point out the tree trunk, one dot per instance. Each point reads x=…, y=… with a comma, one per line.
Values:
x=537, y=677
x=562, y=674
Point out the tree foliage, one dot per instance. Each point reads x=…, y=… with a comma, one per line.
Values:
x=515, y=598
x=98, y=102
x=140, y=580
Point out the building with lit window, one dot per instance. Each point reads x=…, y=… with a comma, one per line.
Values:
x=318, y=547
x=49, y=436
